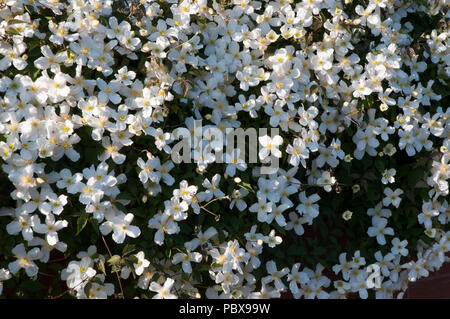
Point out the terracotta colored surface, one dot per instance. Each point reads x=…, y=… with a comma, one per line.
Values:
x=436, y=285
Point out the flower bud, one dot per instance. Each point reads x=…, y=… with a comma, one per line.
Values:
x=348, y=158
x=347, y=215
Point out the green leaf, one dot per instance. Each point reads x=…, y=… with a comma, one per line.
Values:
x=414, y=176
x=248, y=187
x=266, y=229
x=114, y=260
x=379, y=164
x=319, y=251
x=101, y=266
x=120, y=206
x=125, y=195
x=128, y=249
x=94, y=223
x=132, y=259
x=185, y=277
x=157, y=277
x=81, y=223
x=323, y=229
x=139, y=211
x=87, y=289
x=294, y=251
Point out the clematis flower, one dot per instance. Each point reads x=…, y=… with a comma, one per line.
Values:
x=120, y=226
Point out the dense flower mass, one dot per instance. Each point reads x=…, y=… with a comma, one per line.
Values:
x=95, y=195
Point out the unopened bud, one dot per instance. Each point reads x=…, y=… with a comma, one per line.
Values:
x=347, y=215
x=143, y=32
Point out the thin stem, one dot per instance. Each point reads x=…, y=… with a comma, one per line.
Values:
x=117, y=274
x=60, y=259
x=70, y=289
x=338, y=184
x=217, y=198
x=44, y=274
x=213, y=200
x=217, y=217
x=196, y=33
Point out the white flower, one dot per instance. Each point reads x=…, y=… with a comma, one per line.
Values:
x=392, y=197
x=399, y=247
x=407, y=139
x=308, y=206
x=4, y=275
x=141, y=263
x=277, y=214
x=78, y=273
x=428, y=212
x=262, y=207
x=272, y=240
x=92, y=82
x=162, y=139
x=163, y=292
x=226, y=278
x=50, y=229
x=25, y=260
x=269, y=146
x=98, y=291
x=327, y=181
x=13, y=54
x=23, y=223
x=298, y=151
x=186, y=259
x=108, y=92
x=295, y=222
x=50, y=60
x=388, y=176
x=343, y=266
x=212, y=189
x=164, y=223
x=120, y=226
x=150, y=170
x=326, y=156
x=379, y=211
x=416, y=269
x=111, y=151
x=125, y=76
x=379, y=229
x=203, y=237
x=357, y=260
x=275, y=275
x=296, y=277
